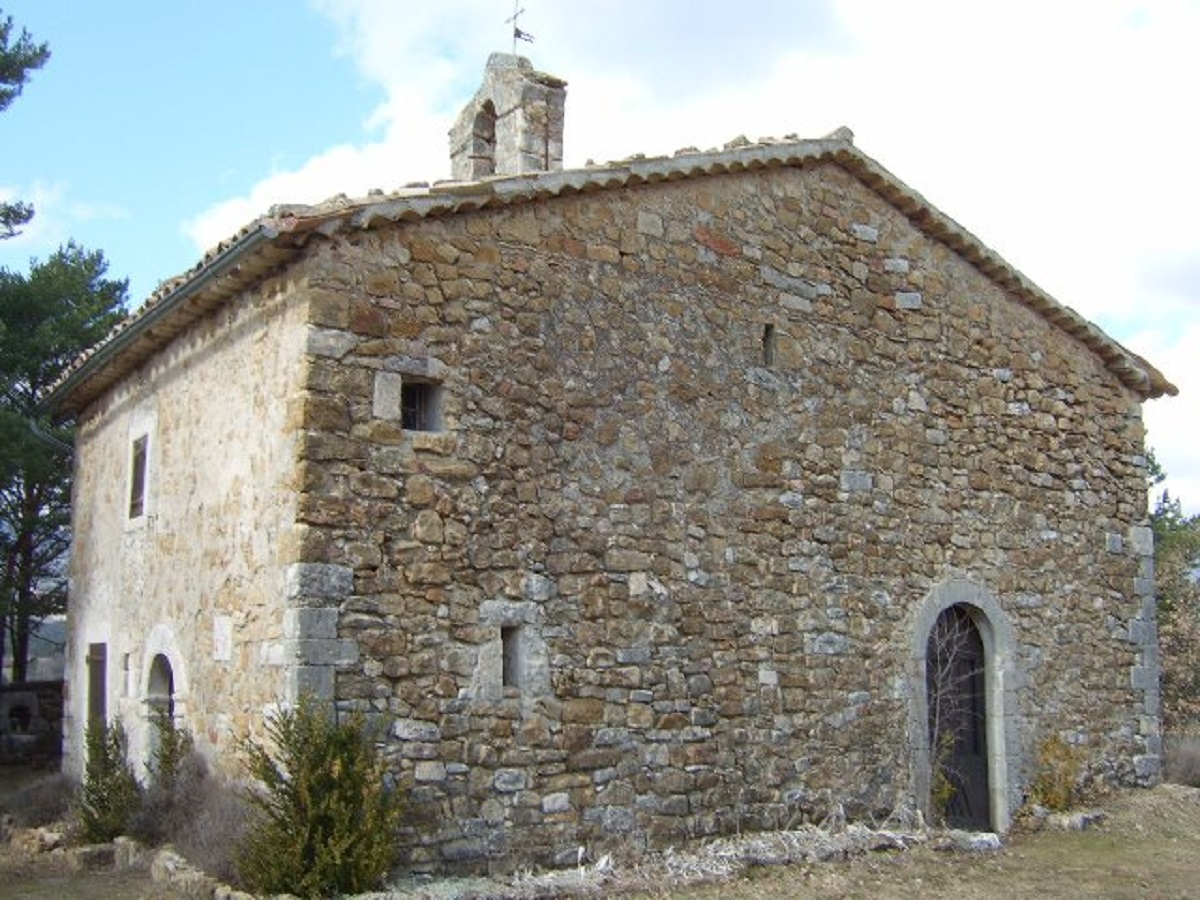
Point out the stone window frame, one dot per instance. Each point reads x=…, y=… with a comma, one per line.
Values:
x=420, y=405
x=514, y=663
x=400, y=395
x=159, y=704
x=160, y=647
x=483, y=140
x=511, y=658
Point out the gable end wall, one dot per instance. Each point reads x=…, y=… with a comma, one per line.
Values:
x=201, y=576
x=712, y=555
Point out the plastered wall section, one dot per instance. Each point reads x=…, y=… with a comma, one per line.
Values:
x=199, y=576
x=707, y=447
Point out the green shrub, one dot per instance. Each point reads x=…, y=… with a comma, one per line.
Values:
x=167, y=802
x=109, y=795
x=326, y=819
x=174, y=744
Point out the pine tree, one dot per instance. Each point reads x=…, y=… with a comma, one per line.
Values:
x=18, y=57
x=47, y=318
x=1177, y=586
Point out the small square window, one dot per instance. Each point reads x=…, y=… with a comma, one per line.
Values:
x=420, y=407
x=137, y=478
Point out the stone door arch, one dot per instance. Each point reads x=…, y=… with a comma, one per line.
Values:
x=963, y=618
x=160, y=700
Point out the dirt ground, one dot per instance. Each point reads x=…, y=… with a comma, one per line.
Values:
x=47, y=876
x=1148, y=847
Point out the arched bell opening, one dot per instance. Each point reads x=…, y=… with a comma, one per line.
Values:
x=484, y=140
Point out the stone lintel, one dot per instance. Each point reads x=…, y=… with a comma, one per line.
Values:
x=509, y=612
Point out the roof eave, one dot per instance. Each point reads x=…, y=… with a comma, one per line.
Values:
x=63, y=399
x=72, y=392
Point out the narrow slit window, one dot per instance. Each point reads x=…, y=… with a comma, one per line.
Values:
x=768, y=345
x=510, y=654
x=419, y=406
x=97, y=669
x=137, y=478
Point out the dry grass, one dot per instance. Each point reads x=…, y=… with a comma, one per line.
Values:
x=36, y=800
x=1148, y=847
x=202, y=816
x=1181, y=759
x=211, y=835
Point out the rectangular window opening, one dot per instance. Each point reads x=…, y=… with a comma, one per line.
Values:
x=97, y=666
x=420, y=406
x=510, y=651
x=768, y=345
x=137, y=478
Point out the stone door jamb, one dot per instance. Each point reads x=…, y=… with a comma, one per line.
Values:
x=999, y=648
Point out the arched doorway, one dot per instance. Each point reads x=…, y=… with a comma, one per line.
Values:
x=160, y=694
x=160, y=703
x=956, y=699
x=967, y=622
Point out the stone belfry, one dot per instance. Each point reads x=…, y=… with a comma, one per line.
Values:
x=513, y=124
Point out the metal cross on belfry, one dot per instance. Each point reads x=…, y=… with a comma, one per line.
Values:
x=518, y=34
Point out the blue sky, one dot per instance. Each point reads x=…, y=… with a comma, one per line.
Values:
x=1063, y=134
x=150, y=112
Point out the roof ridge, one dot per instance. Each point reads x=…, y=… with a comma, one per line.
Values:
x=282, y=232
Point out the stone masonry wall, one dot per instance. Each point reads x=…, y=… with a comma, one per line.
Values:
x=200, y=577
x=703, y=448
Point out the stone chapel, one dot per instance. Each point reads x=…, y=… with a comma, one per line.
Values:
x=643, y=501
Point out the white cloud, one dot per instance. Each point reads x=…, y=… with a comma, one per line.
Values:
x=57, y=219
x=97, y=212
x=1059, y=133
x=350, y=169
x=49, y=228
x=1173, y=423
x=399, y=48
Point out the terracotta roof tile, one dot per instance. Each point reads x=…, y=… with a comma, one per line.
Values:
x=280, y=235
